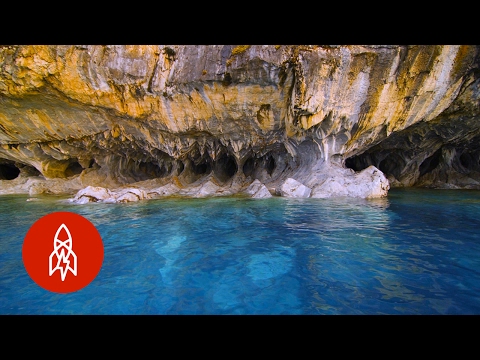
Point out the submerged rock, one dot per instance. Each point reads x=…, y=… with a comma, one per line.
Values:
x=368, y=183
x=129, y=195
x=257, y=190
x=93, y=194
x=294, y=188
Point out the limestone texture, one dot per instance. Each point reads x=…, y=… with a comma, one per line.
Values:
x=146, y=121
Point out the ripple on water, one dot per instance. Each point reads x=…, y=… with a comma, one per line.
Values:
x=416, y=252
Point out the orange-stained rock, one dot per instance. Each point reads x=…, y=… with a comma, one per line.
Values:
x=232, y=114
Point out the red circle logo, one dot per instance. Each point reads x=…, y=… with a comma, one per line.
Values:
x=62, y=252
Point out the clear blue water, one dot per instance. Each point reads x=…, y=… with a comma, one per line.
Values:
x=415, y=252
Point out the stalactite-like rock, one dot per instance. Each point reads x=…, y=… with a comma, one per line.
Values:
x=211, y=119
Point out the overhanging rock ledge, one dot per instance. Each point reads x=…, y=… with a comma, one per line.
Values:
x=126, y=123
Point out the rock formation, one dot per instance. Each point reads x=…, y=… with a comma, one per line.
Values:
x=143, y=121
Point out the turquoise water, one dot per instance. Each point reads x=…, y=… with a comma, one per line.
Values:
x=415, y=252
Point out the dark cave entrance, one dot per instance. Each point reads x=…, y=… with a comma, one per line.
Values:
x=430, y=163
x=146, y=170
x=196, y=166
x=392, y=164
x=180, y=167
x=225, y=167
x=357, y=162
x=8, y=171
x=202, y=168
x=74, y=168
x=254, y=165
x=151, y=170
x=470, y=160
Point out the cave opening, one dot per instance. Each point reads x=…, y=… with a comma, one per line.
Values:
x=74, y=168
x=466, y=160
x=92, y=163
x=249, y=166
x=392, y=164
x=180, y=167
x=225, y=167
x=195, y=166
x=202, y=168
x=470, y=161
x=151, y=170
x=430, y=163
x=270, y=164
x=8, y=171
x=358, y=162
x=254, y=166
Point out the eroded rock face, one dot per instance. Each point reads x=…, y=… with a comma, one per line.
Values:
x=210, y=120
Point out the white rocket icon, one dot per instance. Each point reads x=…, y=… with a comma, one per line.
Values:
x=62, y=254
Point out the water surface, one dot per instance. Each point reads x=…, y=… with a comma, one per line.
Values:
x=415, y=252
